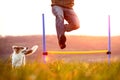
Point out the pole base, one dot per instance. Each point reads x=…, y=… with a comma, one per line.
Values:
x=109, y=52
x=45, y=53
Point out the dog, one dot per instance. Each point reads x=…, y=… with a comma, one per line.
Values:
x=19, y=53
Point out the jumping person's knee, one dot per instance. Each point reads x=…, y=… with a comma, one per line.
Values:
x=76, y=27
x=71, y=27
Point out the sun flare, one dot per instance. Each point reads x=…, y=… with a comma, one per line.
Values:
x=27, y=19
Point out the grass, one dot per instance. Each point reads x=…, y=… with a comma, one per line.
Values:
x=60, y=70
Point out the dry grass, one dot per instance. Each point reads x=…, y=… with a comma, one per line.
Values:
x=60, y=70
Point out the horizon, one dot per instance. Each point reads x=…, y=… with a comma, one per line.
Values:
x=56, y=35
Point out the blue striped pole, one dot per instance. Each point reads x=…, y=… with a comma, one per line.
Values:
x=109, y=40
x=44, y=39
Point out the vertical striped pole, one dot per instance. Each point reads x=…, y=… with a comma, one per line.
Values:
x=44, y=39
x=109, y=40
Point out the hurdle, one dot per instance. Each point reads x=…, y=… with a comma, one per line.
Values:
x=45, y=52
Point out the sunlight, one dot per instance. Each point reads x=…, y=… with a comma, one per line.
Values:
x=26, y=19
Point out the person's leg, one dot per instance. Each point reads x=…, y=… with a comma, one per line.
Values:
x=72, y=19
x=58, y=12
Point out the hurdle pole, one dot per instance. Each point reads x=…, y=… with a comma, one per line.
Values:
x=44, y=39
x=109, y=40
x=78, y=52
x=45, y=53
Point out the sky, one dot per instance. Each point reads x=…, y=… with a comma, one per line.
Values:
x=24, y=17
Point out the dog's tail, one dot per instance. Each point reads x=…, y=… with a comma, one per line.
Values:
x=32, y=50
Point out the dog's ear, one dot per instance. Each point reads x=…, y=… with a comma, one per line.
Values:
x=19, y=47
x=13, y=47
x=31, y=51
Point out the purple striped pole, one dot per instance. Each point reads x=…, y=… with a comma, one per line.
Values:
x=109, y=40
x=44, y=39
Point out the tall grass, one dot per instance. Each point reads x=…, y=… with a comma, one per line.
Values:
x=60, y=70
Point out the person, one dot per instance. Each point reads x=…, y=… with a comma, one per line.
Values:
x=63, y=10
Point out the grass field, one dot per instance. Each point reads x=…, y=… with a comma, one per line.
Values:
x=65, y=67
x=60, y=70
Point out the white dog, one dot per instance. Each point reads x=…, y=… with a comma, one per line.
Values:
x=19, y=53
